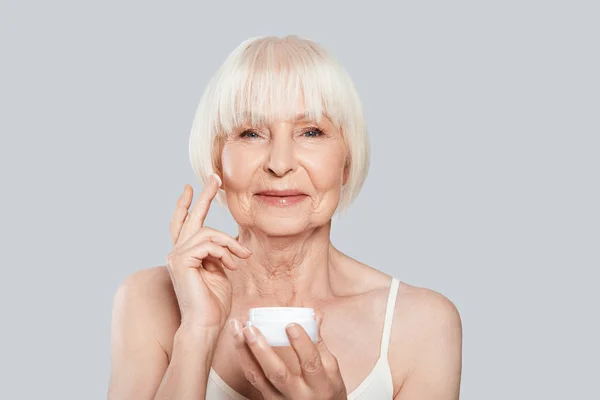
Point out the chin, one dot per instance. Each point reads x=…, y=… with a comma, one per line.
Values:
x=279, y=225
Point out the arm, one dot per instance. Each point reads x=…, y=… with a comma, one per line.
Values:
x=187, y=374
x=140, y=367
x=437, y=369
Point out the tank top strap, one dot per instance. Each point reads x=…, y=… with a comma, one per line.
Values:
x=389, y=317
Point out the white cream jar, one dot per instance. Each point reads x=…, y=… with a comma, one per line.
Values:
x=271, y=322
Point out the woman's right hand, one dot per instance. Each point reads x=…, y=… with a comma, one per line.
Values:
x=197, y=260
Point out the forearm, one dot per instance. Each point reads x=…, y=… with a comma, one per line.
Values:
x=187, y=374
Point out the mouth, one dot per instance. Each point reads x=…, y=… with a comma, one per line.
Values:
x=281, y=198
x=281, y=193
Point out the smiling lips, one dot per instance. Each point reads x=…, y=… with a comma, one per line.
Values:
x=281, y=198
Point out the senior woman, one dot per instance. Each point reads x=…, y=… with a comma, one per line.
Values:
x=279, y=139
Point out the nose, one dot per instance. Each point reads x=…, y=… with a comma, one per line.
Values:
x=281, y=159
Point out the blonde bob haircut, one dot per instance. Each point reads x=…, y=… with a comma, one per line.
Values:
x=260, y=82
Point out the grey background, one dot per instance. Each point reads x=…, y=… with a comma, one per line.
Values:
x=483, y=186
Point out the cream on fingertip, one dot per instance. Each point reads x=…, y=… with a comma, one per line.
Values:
x=217, y=179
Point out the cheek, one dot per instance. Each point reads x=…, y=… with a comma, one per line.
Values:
x=325, y=168
x=239, y=165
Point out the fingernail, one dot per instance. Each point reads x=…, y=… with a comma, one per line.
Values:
x=247, y=249
x=235, y=327
x=293, y=331
x=217, y=180
x=250, y=334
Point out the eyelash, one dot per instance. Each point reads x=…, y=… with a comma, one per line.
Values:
x=315, y=129
x=311, y=129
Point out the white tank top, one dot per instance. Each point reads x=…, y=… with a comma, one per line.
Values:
x=377, y=385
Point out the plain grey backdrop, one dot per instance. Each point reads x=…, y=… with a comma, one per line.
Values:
x=484, y=182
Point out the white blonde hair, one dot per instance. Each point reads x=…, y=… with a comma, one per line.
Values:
x=261, y=82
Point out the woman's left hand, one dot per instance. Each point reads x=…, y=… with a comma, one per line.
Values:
x=320, y=377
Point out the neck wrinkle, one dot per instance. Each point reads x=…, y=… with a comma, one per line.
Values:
x=293, y=271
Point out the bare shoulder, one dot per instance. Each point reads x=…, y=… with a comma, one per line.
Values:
x=146, y=288
x=427, y=329
x=147, y=282
x=426, y=308
x=147, y=297
x=144, y=317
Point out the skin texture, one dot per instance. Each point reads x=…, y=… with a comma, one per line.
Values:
x=287, y=243
x=292, y=263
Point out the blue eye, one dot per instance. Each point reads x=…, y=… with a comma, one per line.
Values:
x=249, y=134
x=313, y=132
x=310, y=133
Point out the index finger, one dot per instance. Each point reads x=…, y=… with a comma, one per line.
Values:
x=200, y=209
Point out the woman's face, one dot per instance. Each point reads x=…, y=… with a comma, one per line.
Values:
x=299, y=156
